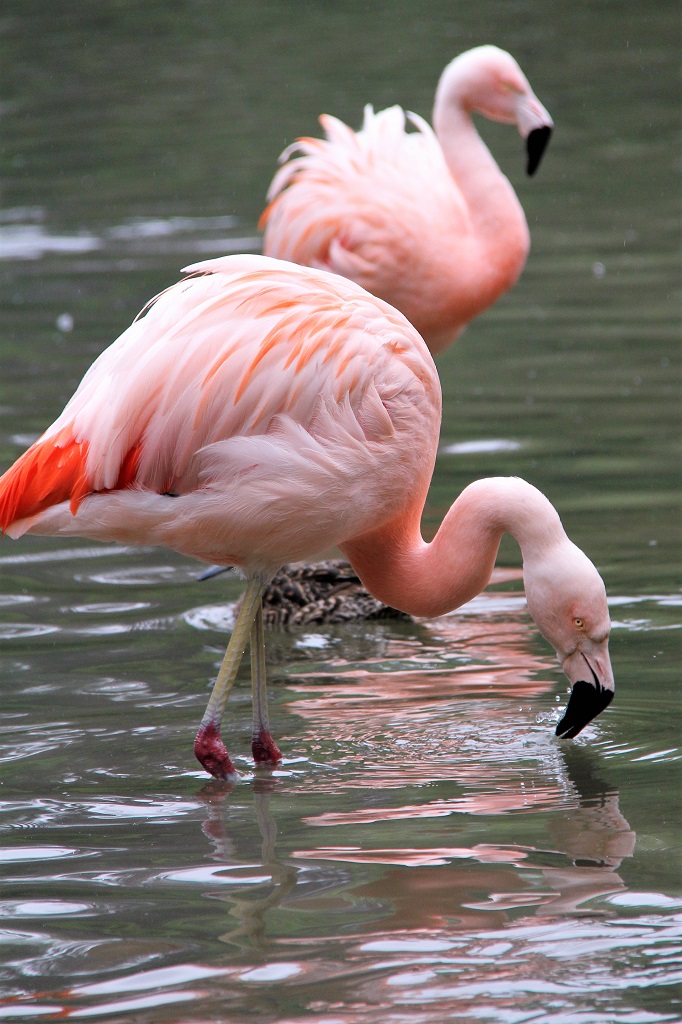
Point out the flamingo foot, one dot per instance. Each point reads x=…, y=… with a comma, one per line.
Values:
x=211, y=753
x=265, y=750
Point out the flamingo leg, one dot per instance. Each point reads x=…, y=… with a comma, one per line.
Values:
x=209, y=749
x=265, y=750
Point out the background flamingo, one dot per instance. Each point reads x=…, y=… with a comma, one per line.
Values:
x=426, y=221
x=256, y=413
x=381, y=207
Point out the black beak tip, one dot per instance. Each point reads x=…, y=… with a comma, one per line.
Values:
x=586, y=702
x=536, y=144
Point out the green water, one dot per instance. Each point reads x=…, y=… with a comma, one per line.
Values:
x=428, y=851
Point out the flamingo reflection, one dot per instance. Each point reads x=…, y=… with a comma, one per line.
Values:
x=436, y=889
x=450, y=687
x=248, y=910
x=430, y=702
x=484, y=885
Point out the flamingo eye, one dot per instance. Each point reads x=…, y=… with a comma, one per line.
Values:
x=579, y=623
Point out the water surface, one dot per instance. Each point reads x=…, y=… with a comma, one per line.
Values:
x=428, y=851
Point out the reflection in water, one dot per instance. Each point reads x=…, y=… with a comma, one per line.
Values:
x=429, y=888
x=595, y=836
x=464, y=701
x=250, y=910
x=435, y=923
x=588, y=841
x=431, y=924
x=596, y=833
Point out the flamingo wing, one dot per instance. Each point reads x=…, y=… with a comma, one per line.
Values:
x=363, y=205
x=245, y=395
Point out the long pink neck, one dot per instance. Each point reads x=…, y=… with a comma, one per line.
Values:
x=490, y=199
x=429, y=579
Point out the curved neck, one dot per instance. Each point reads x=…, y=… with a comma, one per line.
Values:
x=429, y=579
x=489, y=197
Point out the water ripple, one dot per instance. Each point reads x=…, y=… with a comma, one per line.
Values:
x=44, y=908
x=24, y=630
x=10, y=600
x=143, y=236
x=241, y=874
x=140, y=981
x=487, y=446
x=29, y=854
x=133, y=576
x=67, y=554
x=159, y=811
x=211, y=616
x=106, y=607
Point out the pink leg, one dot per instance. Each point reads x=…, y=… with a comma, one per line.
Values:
x=208, y=746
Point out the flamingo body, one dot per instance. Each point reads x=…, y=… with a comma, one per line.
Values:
x=424, y=219
x=258, y=412
x=190, y=429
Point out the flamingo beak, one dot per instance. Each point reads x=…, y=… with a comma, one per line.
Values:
x=536, y=144
x=591, y=677
x=535, y=126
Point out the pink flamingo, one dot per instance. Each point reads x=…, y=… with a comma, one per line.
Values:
x=258, y=412
x=426, y=221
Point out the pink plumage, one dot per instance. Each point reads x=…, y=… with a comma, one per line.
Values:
x=243, y=377
x=257, y=413
x=423, y=219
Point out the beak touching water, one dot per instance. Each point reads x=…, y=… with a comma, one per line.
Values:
x=589, y=672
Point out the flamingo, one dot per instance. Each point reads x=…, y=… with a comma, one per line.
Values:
x=256, y=413
x=425, y=220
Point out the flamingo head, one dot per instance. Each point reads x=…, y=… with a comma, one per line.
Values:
x=567, y=600
x=489, y=81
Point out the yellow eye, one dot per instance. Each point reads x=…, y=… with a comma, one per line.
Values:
x=579, y=623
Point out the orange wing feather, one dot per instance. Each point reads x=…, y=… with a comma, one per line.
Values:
x=53, y=470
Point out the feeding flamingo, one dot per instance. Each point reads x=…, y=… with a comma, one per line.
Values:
x=426, y=221
x=258, y=412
